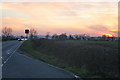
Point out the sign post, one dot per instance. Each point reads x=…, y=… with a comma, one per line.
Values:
x=27, y=32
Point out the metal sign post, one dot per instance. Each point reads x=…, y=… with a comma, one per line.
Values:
x=27, y=32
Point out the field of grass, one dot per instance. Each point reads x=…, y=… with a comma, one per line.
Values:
x=27, y=47
x=112, y=44
x=93, y=59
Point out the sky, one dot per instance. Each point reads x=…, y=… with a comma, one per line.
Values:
x=92, y=18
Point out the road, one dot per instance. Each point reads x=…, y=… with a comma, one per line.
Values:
x=16, y=65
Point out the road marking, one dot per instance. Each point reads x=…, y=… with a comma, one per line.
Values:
x=70, y=73
x=5, y=61
x=1, y=65
x=77, y=77
x=8, y=51
x=11, y=54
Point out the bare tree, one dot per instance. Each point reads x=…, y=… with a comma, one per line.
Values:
x=6, y=31
x=33, y=33
x=82, y=36
x=70, y=37
x=47, y=35
x=55, y=36
x=63, y=36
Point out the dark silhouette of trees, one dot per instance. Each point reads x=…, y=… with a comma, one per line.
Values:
x=33, y=33
x=55, y=36
x=82, y=37
x=77, y=37
x=6, y=32
x=47, y=35
x=63, y=36
x=71, y=37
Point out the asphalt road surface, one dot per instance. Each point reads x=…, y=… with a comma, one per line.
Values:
x=16, y=65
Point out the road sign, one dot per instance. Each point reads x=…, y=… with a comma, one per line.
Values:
x=27, y=31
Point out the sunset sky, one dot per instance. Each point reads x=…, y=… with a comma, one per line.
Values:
x=93, y=18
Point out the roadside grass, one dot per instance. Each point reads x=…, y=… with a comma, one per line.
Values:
x=27, y=47
x=87, y=59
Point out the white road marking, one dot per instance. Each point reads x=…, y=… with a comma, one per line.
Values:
x=11, y=54
x=1, y=65
x=4, y=62
x=8, y=51
x=52, y=66
x=77, y=77
x=41, y=61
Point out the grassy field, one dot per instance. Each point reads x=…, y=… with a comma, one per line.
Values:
x=27, y=47
x=93, y=59
x=112, y=44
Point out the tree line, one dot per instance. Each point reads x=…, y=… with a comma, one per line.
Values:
x=7, y=35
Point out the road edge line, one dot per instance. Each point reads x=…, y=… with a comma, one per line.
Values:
x=68, y=72
x=11, y=55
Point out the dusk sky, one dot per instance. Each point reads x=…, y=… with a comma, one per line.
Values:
x=93, y=18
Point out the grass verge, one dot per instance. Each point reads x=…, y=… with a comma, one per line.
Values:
x=27, y=47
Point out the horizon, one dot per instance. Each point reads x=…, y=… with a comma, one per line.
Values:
x=59, y=34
